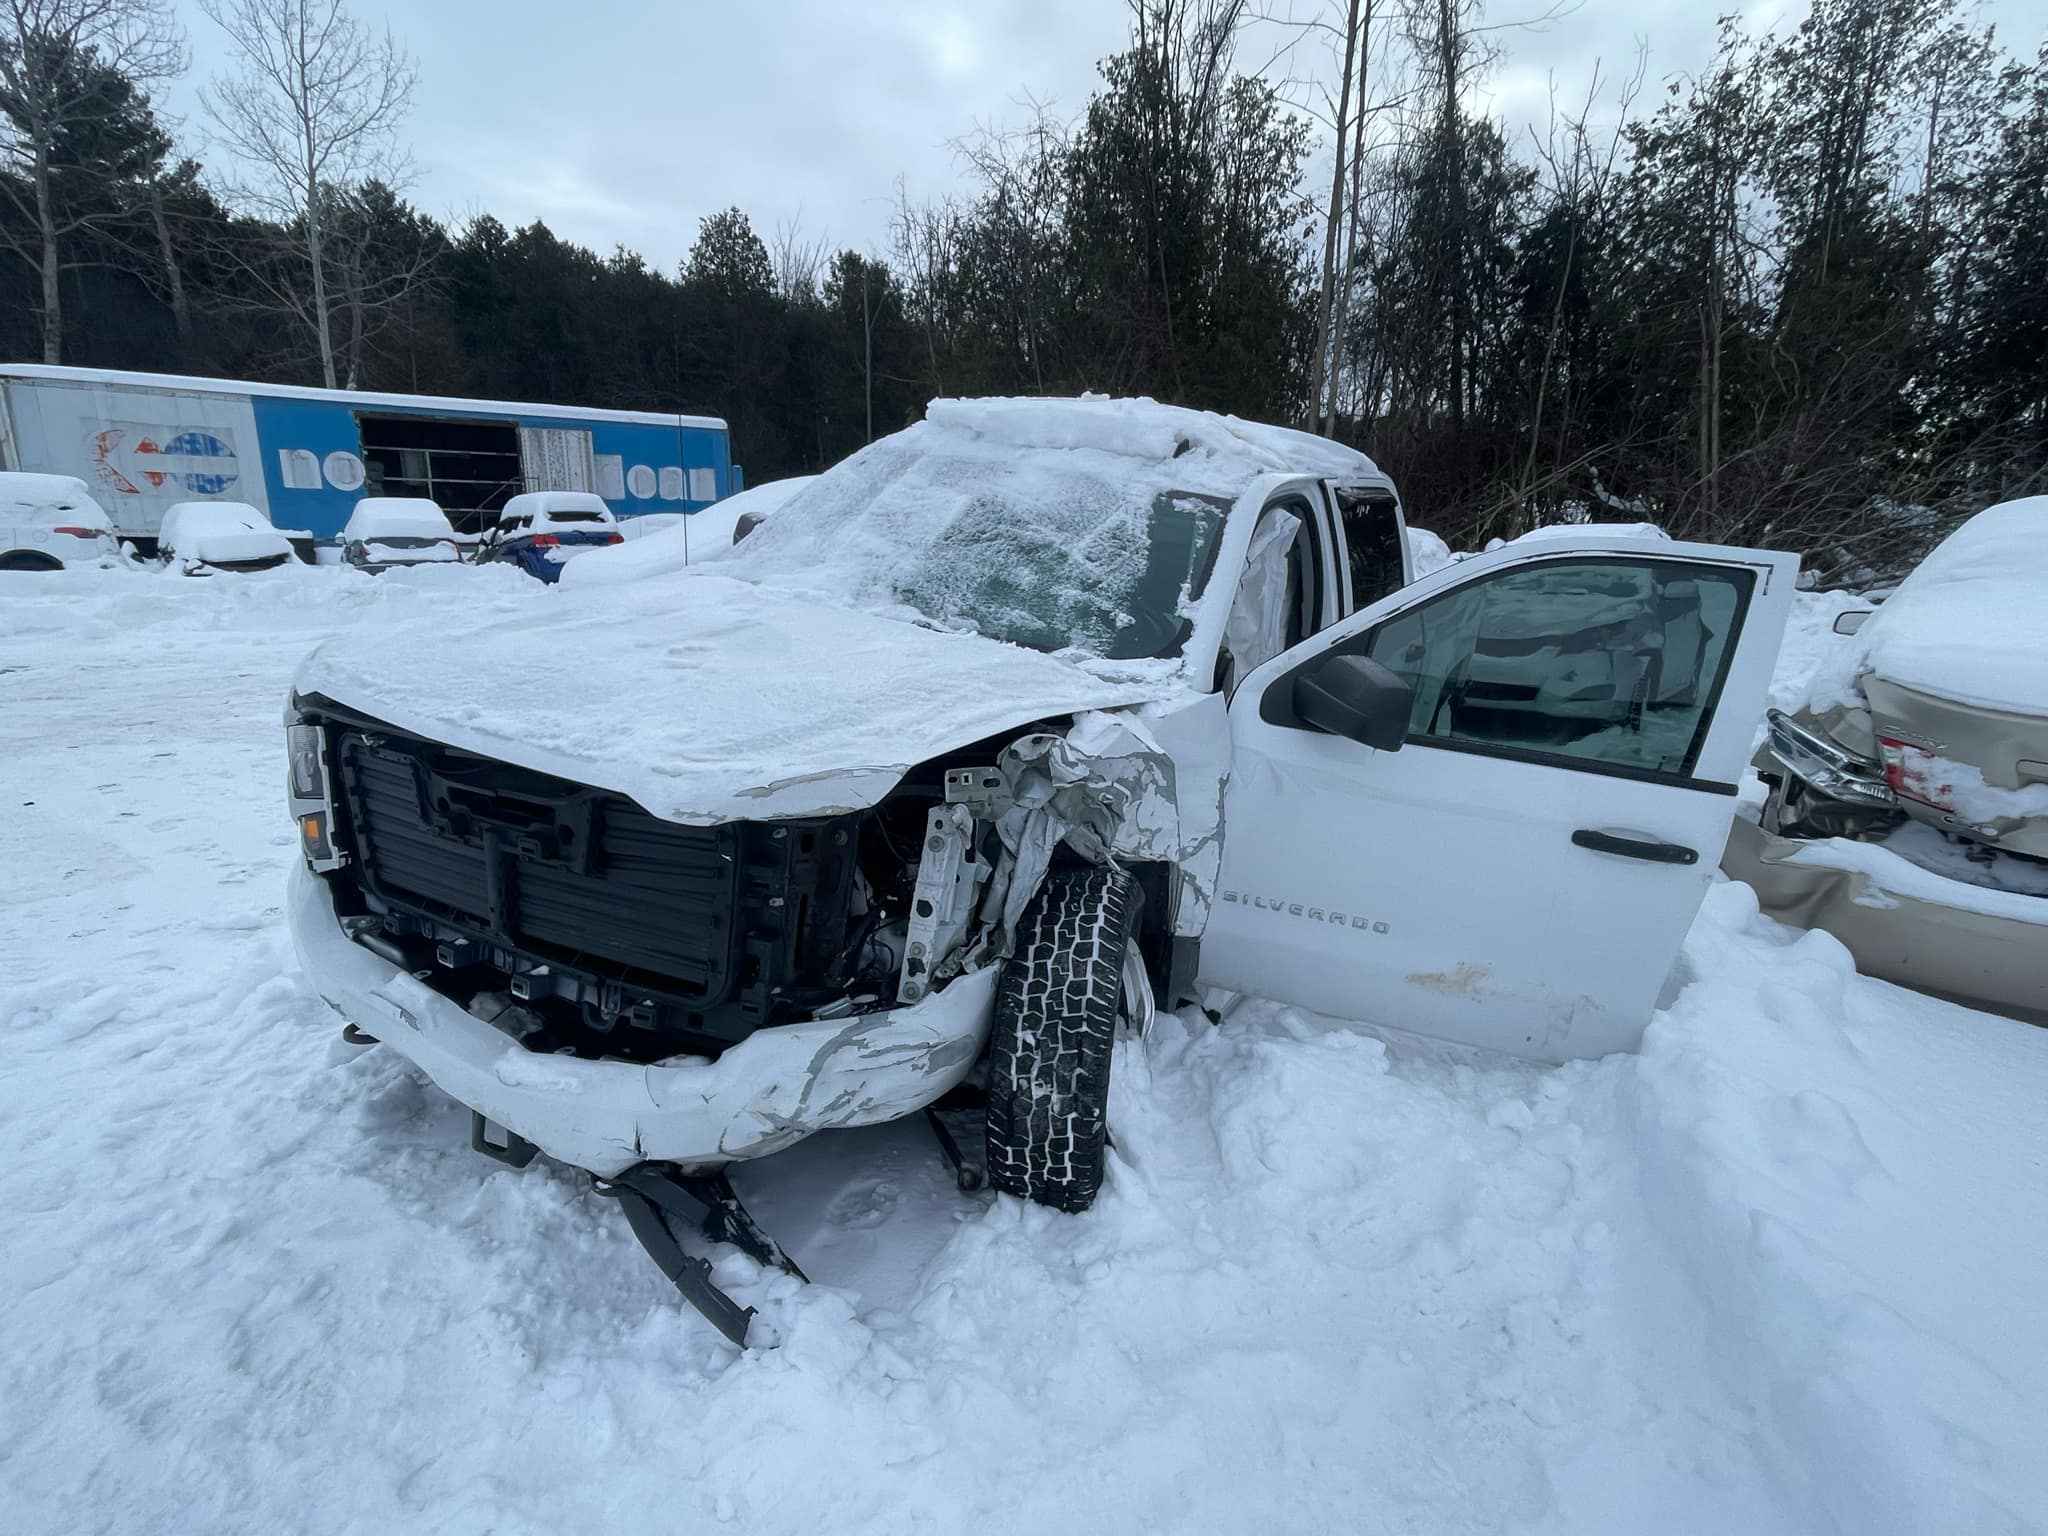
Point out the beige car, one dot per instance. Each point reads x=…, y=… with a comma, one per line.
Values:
x=1908, y=808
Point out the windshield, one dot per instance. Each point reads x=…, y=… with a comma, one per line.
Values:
x=1115, y=589
x=1063, y=549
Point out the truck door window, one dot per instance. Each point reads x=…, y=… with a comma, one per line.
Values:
x=1372, y=543
x=1607, y=663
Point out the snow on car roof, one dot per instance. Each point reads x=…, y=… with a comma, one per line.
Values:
x=1552, y=531
x=62, y=493
x=190, y=517
x=1050, y=506
x=397, y=517
x=542, y=504
x=1146, y=430
x=1971, y=623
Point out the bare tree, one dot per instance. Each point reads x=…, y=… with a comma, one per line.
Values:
x=1580, y=172
x=925, y=241
x=55, y=59
x=311, y=115
x=798, y=261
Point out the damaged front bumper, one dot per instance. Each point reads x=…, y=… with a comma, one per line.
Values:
x=1901, y=922
x=766, y=1093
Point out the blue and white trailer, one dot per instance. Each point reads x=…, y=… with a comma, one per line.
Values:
x=144, y=441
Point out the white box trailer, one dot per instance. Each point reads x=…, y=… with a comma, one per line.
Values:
x=144, y=441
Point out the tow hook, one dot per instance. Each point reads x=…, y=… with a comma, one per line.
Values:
x=659, y=1200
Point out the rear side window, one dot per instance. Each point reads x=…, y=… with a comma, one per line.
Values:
x=1372, y=543
x=1614, y=663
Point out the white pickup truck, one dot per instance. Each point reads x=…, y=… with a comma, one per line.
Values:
x=1027, y=718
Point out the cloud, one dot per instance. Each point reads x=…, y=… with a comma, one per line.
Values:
x=627, y=123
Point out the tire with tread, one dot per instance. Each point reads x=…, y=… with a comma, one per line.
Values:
x=1050, y=1045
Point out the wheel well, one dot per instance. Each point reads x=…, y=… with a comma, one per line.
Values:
x=1158, y=886
x=29, y=560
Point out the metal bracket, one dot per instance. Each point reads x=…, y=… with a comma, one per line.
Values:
x=968, y=1172
x=656, y=1198
x=981, y=790
x=513, y=1151
x=949, y=879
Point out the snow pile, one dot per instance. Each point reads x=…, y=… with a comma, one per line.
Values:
x=1970, y=623
x=1427, y=552
x=1925, y=871
x=1779, y=1274
x=23, y=491
x=1855, y=1175
x=686, y=539
x=1962, y=788
x=1812, y=650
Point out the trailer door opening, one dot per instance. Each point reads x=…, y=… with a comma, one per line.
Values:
x=471, y=468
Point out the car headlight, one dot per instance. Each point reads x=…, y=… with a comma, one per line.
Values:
x=312, y=802
x=302, y=747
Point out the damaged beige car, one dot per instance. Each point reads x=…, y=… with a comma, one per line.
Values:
x=1908, y=806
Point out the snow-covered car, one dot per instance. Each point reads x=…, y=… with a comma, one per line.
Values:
x=385, y=531
x=1908, y=806
x=199, y=538
x=1040, y=713
x=48, y=522
x=541, y=531
x=686, y=539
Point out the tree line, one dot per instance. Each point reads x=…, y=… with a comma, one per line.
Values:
x=1799, y=297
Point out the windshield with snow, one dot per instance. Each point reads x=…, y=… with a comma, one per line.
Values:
x=1109, y=580
x=1075, y=549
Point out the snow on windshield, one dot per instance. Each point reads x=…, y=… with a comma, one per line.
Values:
x=1074, y=524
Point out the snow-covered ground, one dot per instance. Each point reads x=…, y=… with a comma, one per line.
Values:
x=1780, y=1273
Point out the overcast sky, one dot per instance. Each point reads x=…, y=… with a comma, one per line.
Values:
x=626, y=123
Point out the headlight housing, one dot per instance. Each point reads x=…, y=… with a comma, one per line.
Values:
x=312, y=801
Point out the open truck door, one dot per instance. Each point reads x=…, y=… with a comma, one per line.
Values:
x=1561, y=731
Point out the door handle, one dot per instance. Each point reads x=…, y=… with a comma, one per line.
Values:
x=1635, y=847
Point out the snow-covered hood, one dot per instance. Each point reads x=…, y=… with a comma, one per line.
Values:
x=706, y=699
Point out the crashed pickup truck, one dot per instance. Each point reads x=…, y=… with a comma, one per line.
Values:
x=1019, y=723
x=1908, y=797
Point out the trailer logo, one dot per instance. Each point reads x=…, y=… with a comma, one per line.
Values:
x=128, y=457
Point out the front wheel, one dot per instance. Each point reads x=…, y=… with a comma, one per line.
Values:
x=1049, y=1048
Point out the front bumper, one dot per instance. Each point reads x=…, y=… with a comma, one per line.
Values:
x=766, y=1093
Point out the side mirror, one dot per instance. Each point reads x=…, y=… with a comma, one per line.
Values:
x=1355, y=697
x=1848, y=623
